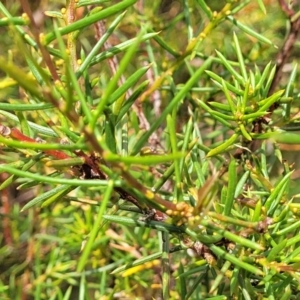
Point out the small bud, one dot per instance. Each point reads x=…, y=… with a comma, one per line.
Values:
x=181, y=206
x=169, y=212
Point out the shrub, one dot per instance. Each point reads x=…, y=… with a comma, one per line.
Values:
x=146, y=150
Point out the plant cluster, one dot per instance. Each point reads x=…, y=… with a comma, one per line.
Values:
x=139, y=145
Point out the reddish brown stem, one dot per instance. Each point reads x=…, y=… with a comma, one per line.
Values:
x=91, y=170
x=287, y=48
x=282, y=58
x=6, y=211
x=284, y=7
x=113, y=64
x=18, y=135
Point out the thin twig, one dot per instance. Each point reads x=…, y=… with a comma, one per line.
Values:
x=113, y=64
x=93, y=142
x=287, y=48
x=71, y=43
x=91, y=170
x=285, y=8
x=7, y=232
x=281, y=59
x=155, y=97
x=36, y=33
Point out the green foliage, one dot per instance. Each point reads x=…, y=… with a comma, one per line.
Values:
x=146, y=150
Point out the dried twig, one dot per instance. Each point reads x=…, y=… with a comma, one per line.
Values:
x=71, y=42
x=286, y=50
x=281, y=59
x=113, y=64
x=5, y=210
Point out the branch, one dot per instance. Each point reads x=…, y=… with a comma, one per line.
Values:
x=90, y=169
x=287, y=48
